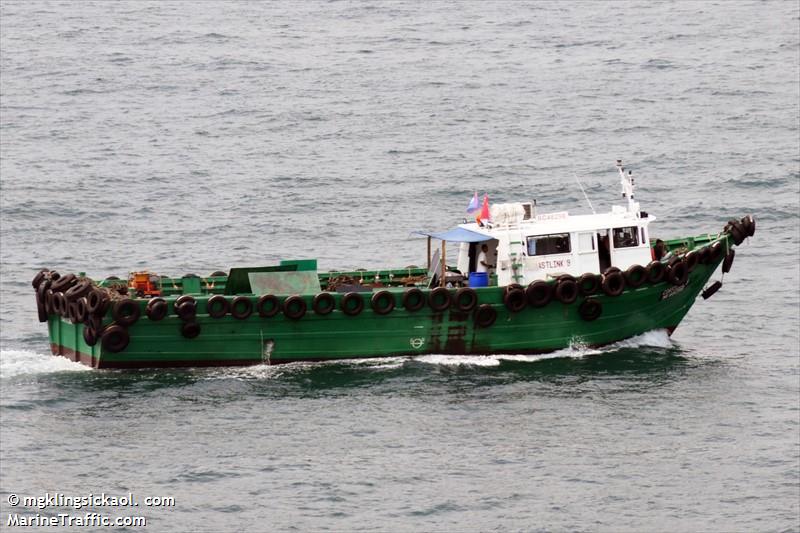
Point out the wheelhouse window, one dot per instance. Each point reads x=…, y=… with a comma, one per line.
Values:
x=555, y=243
x=626, y=237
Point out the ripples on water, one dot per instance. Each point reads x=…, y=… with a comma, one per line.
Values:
x=178, y=139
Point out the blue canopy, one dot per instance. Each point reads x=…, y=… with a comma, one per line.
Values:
x=457, y=234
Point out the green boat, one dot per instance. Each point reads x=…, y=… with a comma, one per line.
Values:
x=521, y=282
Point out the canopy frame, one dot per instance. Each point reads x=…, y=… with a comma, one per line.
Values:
x=457, y=234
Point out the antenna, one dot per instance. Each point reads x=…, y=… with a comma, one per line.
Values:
x=584, y=193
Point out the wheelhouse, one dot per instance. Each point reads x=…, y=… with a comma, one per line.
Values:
x=524, y=246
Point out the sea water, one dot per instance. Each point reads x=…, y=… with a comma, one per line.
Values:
x=191, y=137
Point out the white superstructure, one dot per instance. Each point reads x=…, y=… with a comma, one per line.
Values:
x=526, y=246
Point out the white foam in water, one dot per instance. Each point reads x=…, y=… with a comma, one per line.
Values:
x=377, y=362
x=19, y=362
x=576, y=350
x=275, y=371
x=657, y=338
x=457, y=360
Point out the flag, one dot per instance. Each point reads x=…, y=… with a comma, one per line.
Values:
x=473, y=204
x=484, y=214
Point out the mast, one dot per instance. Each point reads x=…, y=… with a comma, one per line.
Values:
x=626, y=180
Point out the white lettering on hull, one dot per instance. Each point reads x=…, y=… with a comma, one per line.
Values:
x=672, y=291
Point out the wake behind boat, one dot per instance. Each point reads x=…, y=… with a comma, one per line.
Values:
x=522, y=282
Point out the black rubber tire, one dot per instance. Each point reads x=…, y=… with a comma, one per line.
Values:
x=748, y=223
x=485, y=316
x=716, y=252
x=609, y=270
x=114, y=338
x=354, y=308
x=218, y=306
x=96, y=322
x=738, y=233
x=635, y=276
x=89, y=335
x=190, y=330
x=588, y=284
x=187, y=311
x=39, y=278
x=64, y=282
x=613, y=283
x=413, y=300
x=515, y=300
x=185, y=299
x=268, y=306
x=382, y=302
x=511, y=287
x=81, y=313
x=241, y=307
x=43, y=287
x=655, y=272
x=704, y=254
x=156, y=309
x=692, y=259
x=323, y=303
x=566, y=290
x=186, y=308
x=465, y=299
x=59, y=303
x=41, y=310
x=590, y=309
x=711, y=290
x=125, y=312
x=539, y=293
x=439, y=299
x=735, y=229
x=72, y=313
x=98, y=302
x=41, y=300
x=728, y=261
x=48, y=302
x=678, y=273
x=294, y=307
x=78, y=290
x=218, y=274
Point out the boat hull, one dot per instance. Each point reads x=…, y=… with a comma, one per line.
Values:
x=228, y=341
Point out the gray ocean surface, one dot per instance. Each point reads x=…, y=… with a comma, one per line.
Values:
x=191, y=137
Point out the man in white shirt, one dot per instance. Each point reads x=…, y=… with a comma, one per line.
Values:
x=483, y=264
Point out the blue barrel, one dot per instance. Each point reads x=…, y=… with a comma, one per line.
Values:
x=478, y=279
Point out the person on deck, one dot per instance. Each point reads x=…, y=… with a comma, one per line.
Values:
x=483, y=264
